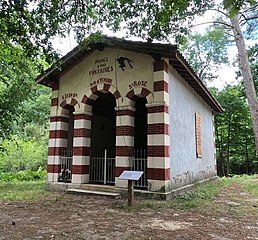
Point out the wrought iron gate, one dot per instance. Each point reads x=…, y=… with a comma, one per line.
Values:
x=66, y=160
x=138, y=162
x=102, y=169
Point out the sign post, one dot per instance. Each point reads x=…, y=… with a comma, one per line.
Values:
x=130, y=176
x=130, y=192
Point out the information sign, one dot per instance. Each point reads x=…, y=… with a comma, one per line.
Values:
x=131, y=175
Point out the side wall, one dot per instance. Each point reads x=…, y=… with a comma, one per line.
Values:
x=185, y=166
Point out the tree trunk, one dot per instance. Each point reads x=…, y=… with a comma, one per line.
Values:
x=247, y=75
x=246, y=154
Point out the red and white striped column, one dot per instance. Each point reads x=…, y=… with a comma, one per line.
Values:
x=57, y=137
x=124, y=141
x=81, y=147
x=158, y=172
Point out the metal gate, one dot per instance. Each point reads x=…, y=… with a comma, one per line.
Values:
x=138, y=162
x=66, y=160
x=102, y=169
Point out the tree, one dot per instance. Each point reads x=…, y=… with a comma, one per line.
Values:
x=32, y=24
x=23, y=26
x=253, y=59
x=244, y=13
x=205, y=52
x=234, y=137
x=17, y=75
x=246, y=73
x=24, y=47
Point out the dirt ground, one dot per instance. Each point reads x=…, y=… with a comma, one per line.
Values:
x=233, y=214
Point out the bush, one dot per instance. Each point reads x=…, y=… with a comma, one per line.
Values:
x=22, y=155
x=26, y=175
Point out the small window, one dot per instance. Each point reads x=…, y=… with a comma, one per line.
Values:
x=198, y=135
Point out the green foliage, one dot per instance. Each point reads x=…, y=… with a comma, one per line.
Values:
x=251, y=187
x=32, y=26
x=26, y=175
x=201, y=197
x=206, y=52
x=33, y=116
x=22, y=44
x=24, y=152
x=234, y=6
x=19, y=155
x=22, y=191
x=234, y=136
x=202, y=194
x=16, y=84
x=92, y=39
x=23, y=25
x=36, y=110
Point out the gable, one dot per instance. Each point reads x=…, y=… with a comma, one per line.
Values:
x=155, y=51
x=102, y=67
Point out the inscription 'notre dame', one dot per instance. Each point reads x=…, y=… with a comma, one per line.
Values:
x=101, y=66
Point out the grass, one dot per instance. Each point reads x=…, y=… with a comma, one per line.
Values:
x=26, y=191
x=251, y=186
x=202, y=195
x=200, y=198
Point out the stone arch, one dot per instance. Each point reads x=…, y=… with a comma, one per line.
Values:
x=95, y=91
x=137, y=93
x=67, y=112
x=68, y=103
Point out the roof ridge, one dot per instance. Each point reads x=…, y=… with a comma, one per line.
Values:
x=156, y=50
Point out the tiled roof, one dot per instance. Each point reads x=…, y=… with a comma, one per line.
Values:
x=156, y=50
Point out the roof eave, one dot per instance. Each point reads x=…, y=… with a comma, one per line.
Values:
x=156, y=50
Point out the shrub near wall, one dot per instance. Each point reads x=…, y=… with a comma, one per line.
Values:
x=25, y=159
x=26, y=175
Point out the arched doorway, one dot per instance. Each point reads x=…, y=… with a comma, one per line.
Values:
x=140, y=125
x=70, y=130
x=103, y=140
x=66, y=158
x=140, y=141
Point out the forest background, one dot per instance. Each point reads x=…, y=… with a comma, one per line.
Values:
x=26, y=49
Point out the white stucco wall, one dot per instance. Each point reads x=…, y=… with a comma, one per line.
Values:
x=185, y=167
x=81, y=78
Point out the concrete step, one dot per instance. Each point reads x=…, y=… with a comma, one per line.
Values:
x=99, y=193
x=97, y=188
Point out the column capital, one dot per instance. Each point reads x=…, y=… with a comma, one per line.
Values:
x=82, y=113
x=157, y=104
x=122, y=108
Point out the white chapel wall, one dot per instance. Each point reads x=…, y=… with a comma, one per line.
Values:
x=101, y=67
x=185, y=167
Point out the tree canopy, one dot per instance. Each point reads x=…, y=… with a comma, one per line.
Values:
x=206, y=52
x=234, y=136
x=17, y=75
x=32, y=24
